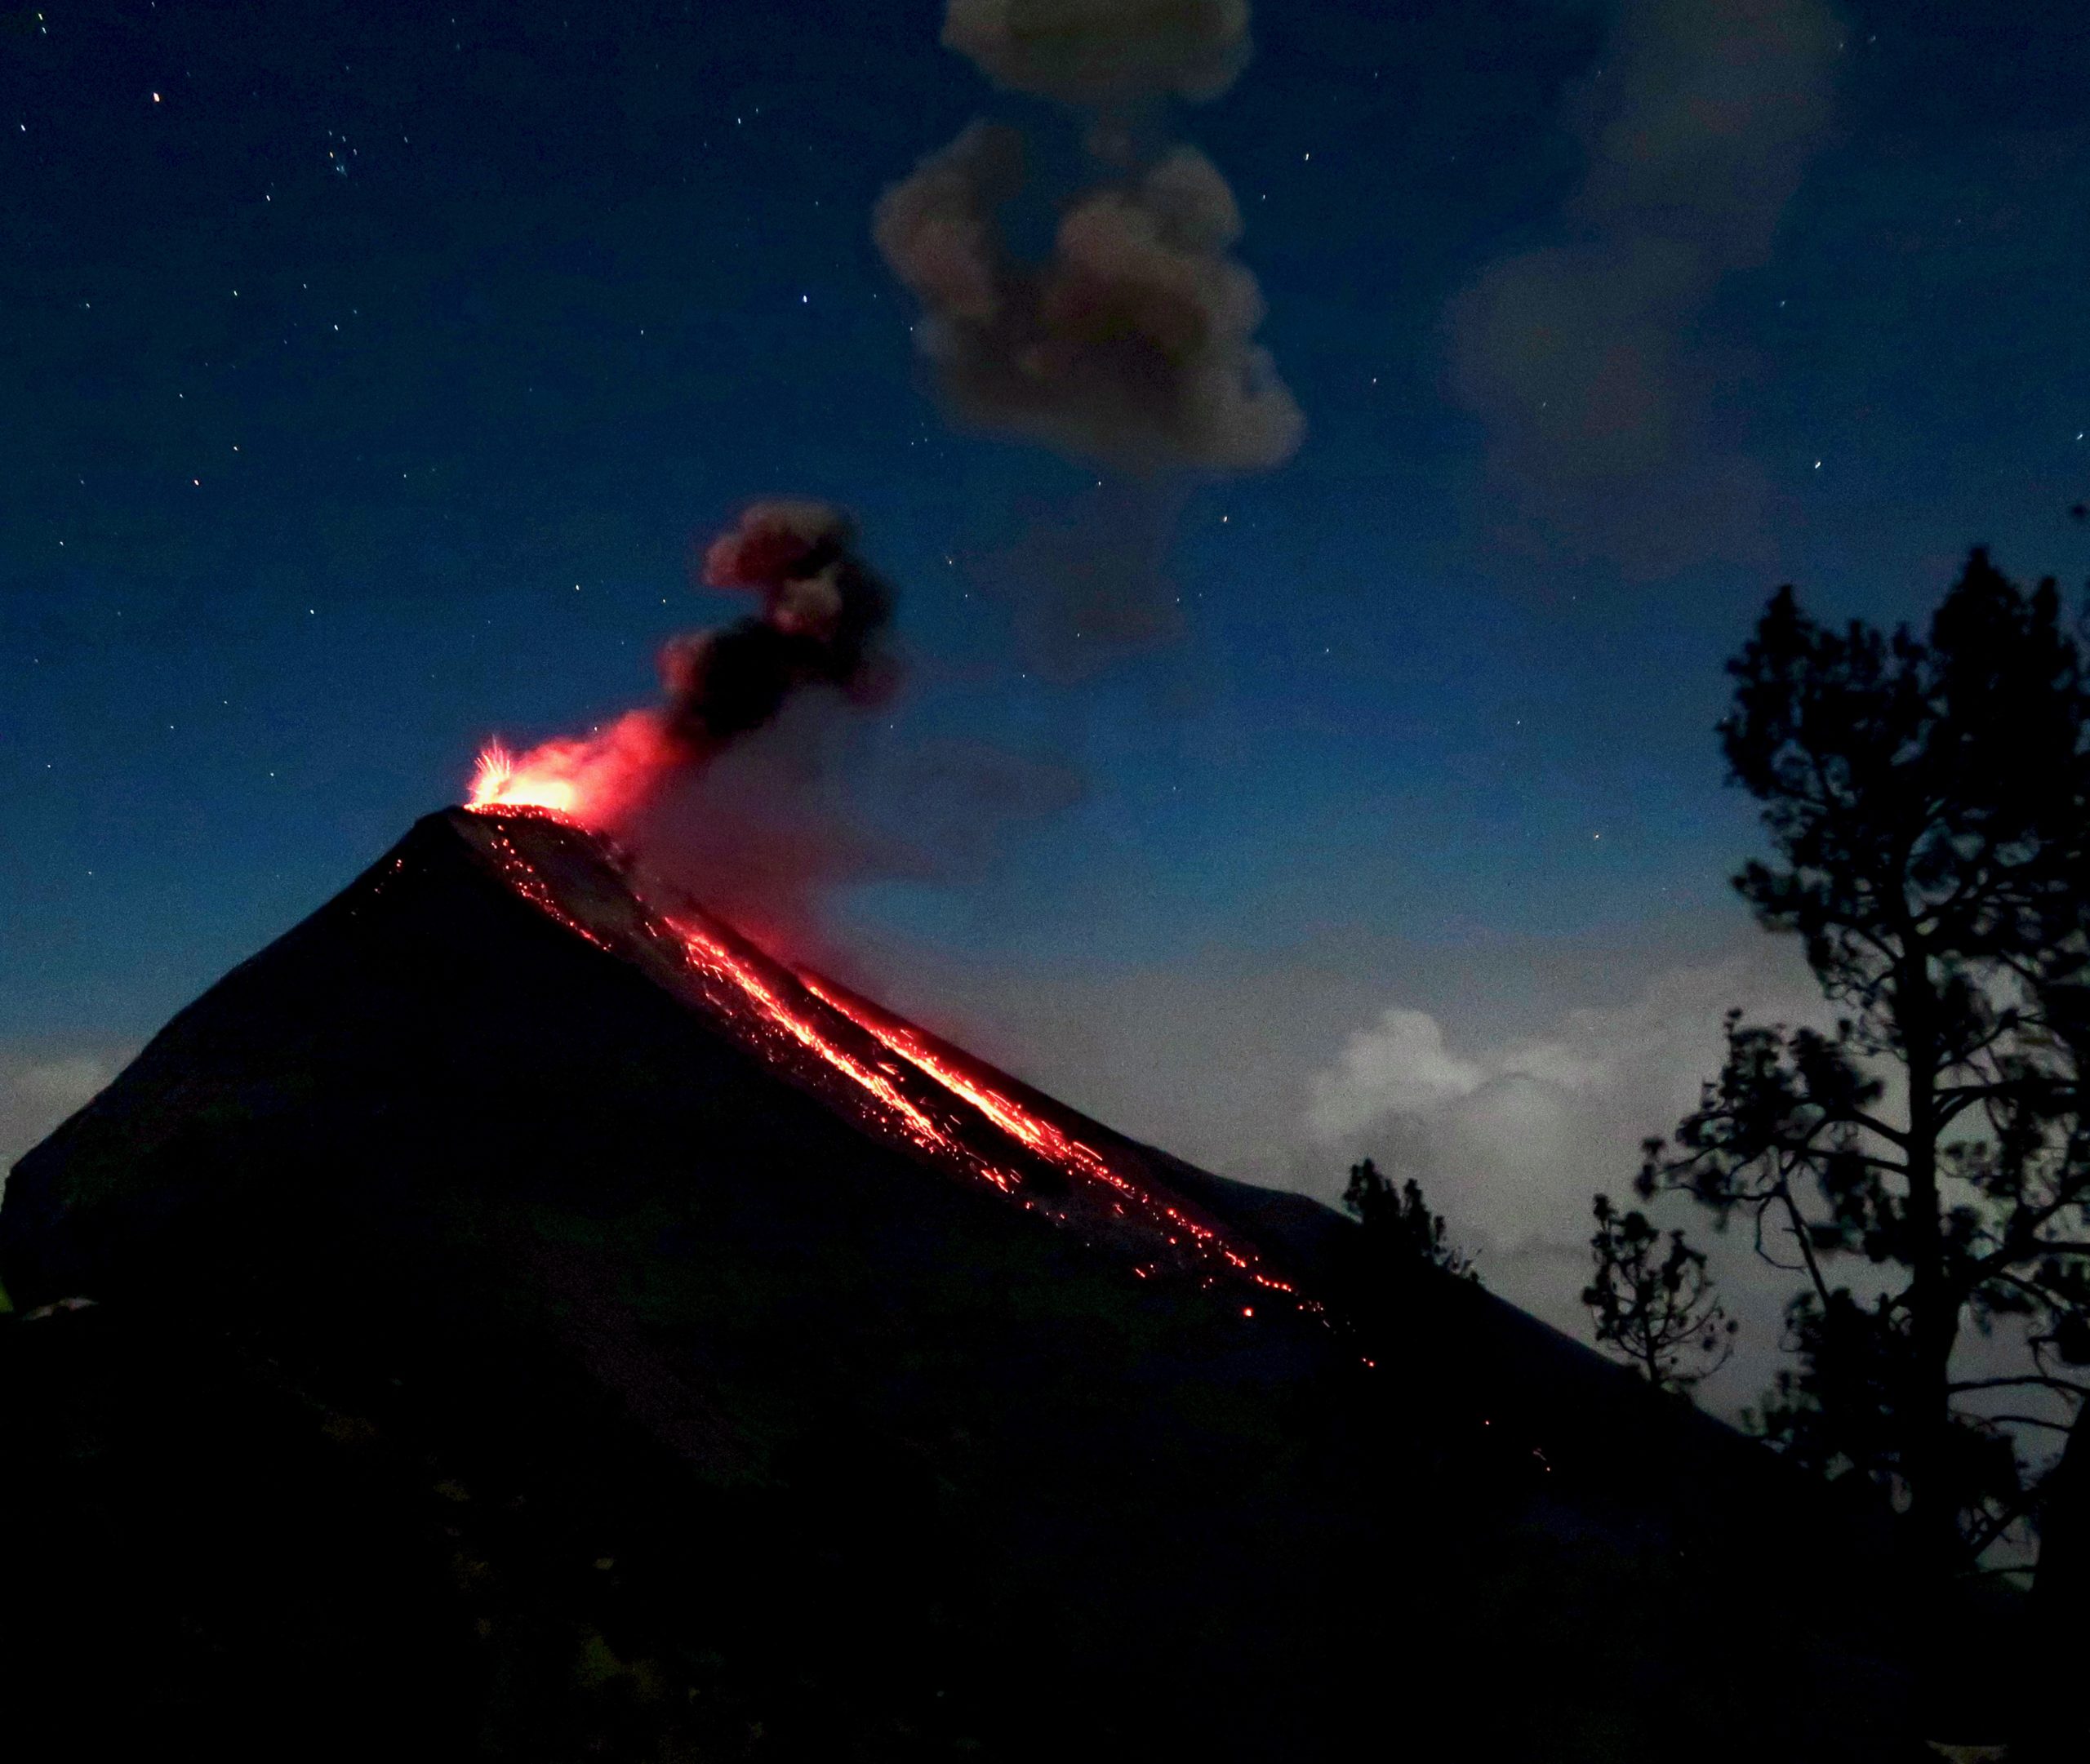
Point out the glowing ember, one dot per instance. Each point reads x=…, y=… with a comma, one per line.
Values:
x=515, y=868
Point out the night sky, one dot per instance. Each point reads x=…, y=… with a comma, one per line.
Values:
x=370, y=373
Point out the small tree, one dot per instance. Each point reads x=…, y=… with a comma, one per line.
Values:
x=1401, y=1222
x=1654, y=1306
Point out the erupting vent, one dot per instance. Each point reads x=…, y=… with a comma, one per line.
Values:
x=893, y=1080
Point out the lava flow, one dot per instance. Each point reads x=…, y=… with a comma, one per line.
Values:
x=1040, y=1137
x=889, y=1076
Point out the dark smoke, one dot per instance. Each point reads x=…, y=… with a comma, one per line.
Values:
x=760, y=795
x=822, y=610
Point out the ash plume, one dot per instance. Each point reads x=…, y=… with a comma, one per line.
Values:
x=1086, y=579
x=755, y=791
x=1098, y=53
x=822, y=611
x=1131, y=341
x=1610, y=421
x=774, y=830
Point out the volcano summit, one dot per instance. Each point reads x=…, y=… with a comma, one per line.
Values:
x=532, y=1322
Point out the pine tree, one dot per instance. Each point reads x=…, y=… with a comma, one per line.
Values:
x=1926, y=801
x=1654, y=1306
x=1401, y=1223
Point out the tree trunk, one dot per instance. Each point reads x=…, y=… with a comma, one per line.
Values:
x=1936, y=1550
x=2058, y=1614
x=1934, y=1323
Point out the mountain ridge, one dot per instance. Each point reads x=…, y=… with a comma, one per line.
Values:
x=502, y=1252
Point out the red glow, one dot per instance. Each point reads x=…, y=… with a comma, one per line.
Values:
x=496, y=783
x=709, y=953
x=1069, y=1155
x=897, y=1083
x=592, y=780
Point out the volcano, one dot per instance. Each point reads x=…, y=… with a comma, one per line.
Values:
x=531, y=1321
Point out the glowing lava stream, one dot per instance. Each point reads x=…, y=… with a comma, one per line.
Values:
x=710, y=954
x=774, y=1013
x=1041, y=1137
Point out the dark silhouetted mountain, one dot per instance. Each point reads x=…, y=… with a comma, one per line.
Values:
x=514, y=1340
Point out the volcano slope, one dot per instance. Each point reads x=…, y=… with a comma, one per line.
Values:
x=514, y=1339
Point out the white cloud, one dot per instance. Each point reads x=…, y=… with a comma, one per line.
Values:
x=1510, y=1140
x=1398, y=1066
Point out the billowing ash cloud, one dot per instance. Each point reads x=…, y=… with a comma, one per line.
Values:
x=1097, y=54
x=822, y=611
x=1607, y=436
x=751, y=784
x=1132, y=340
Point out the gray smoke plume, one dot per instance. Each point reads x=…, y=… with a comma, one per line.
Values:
x=1085, y=579
x=1100, y=54
x=1133, y=341
x=1583, y=357
x=755, y=784
x=774, y=830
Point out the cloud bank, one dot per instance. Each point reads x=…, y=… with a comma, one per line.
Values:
x=1511, y=1140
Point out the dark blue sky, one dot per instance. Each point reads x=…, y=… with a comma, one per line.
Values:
x=369, y=373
